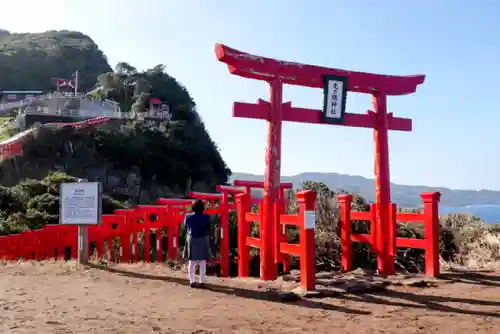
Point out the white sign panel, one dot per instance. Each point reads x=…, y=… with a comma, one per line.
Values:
x=80, y=203
x=335, y=94
x=310, y=220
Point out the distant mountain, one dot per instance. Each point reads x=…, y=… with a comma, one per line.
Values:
x=406, y=196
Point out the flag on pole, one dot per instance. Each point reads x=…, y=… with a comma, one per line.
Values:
x=65, y=83
x=72, y=83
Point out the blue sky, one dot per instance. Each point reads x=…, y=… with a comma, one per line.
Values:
x=456, y=43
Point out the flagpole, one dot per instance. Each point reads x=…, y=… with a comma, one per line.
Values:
x=76, y=82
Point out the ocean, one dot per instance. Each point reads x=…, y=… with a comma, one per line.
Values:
x=488, y=213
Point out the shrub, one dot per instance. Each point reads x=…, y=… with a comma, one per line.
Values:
x=33, y=204
x=464, y=240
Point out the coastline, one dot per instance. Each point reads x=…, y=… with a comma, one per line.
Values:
x=489, y=213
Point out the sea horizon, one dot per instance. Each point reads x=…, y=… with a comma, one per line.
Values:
x=489, y=213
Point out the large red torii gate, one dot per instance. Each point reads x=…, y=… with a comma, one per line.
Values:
x=336, y=83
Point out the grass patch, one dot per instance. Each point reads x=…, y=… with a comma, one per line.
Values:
x=6, y=128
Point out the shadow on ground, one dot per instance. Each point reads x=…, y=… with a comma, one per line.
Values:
x=388, y=297
x=435, y=302
x=428, y=302
x=473, y=277
x=233, y=291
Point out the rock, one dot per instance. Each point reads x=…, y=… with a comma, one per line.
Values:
x=398, y=277
x=362, y=272
x=311, y=294
x=364, y=287
x=419, y=282
x=330, y=281
x=358, y=281
x=324, y=274
x=350, y=277
x=288, y=296
x=291, y=277
x=329, y=291
x=299, y=292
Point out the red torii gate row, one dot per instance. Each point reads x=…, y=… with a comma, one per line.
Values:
x=224, y=206
x=271, y=238
x=53, y=241
x=123, y=229
x=335, y=83
x=172, y=206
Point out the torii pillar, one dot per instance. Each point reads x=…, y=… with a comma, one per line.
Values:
x=335, y=83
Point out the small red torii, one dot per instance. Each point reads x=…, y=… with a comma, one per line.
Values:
x=335, y=83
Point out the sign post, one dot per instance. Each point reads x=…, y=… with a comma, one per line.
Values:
x=83, y=249
x=80, y=204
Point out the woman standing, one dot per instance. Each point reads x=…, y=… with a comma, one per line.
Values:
x=197, y=250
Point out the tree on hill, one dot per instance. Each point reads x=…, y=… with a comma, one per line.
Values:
x=177, y=153
x=133, y=89
x=30, y=61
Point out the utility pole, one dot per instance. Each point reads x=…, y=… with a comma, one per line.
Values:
x=76, y=82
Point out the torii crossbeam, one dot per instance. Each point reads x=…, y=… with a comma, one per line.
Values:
x=277, y=73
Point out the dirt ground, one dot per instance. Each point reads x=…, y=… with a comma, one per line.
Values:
x=57, y=297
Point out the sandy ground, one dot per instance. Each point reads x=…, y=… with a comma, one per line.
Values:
x=56, y=297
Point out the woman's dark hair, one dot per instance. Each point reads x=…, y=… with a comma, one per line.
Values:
x=198, y=206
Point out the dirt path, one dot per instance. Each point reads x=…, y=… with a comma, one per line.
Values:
x=57, y=298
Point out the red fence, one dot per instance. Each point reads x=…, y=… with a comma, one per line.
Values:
x=280, y=234
x=14, y=146
x=384, y=246
x=118, y=236
x=122, y=230
x=305, y=250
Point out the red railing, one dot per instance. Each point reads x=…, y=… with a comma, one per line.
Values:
x=305, y=221
x=384, y=246
x=14, y=146
x=281, y=232
x=123, y=230
x=226, y=202
x=306, y=249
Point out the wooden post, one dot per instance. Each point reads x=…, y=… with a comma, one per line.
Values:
x=307, y=201
x=83, y=241
x=382, y=185
x=224, y=235
x=243, y=206
x=392, y=235
x=83, y=244
x=431, y=226
x=268, y=269
x=345, y=232
x=282, y=233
